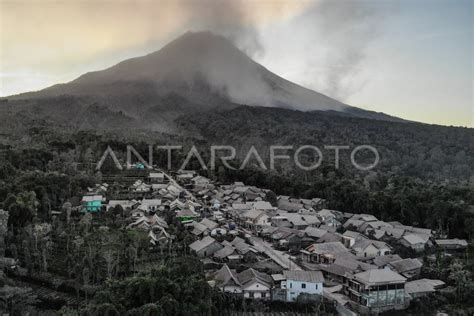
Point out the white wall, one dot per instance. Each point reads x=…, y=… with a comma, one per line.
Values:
x=294, y=288
x=257, y=289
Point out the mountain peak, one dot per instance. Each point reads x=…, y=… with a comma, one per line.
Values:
x=190, y=62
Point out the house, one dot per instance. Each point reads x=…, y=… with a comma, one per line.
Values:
x=353, y=224
x=204, y=227
x=262, y=205
x=200, y=180
x=409, y=268
x=295, y=220
x=255, y=219
x=376, y=291
x=302, y=282
x=423, y=287
x=350, y=237
x=186, y=215
x=205, y=247
x=226, y=280
x=351, y=263
x=148, y=222
x=412, y=229
x=140, y=187
x=416, y=242
x=92, y=203
x=248, y=252
x=199, y=229
x=248, y=283
x=176, y=205
x=370, y=248
x=223, y=253
x=451, y=245
x=254, y=284
x=323, y=253
x=288, y=238
x=159, y=236
x=150, y=205
x=185, y=176
x=209, y=224
x=326, y=214
x=156, y=177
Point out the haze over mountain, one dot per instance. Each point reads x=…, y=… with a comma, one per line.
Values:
x=198, y=71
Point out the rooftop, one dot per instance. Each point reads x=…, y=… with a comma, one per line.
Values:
x=304, y=276
x=379, y=276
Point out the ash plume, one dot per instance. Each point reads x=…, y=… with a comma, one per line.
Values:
x=228, y=18
x=346, y=29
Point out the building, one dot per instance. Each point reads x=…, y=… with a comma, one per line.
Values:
x=156, y=177
x=423, y=287
x=255, y=219
x=409, y=267
x=416, y=242
x=186, y=215
x=323, y=252
x=302, y=282
x=205, y=247
x=451, y=245
x=226, y=280
x=248, y=283
x=376, y=290
x=370, y=248
x=255, y=284
x=92, y=203
x=150, y=205
x=200, y=180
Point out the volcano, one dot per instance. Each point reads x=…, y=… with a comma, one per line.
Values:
x=195, y=72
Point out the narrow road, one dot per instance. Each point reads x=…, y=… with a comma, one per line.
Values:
x=280, y=257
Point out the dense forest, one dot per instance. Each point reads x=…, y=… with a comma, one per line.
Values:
x=424, y=178
x=429, y=152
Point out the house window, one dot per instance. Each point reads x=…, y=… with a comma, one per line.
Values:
x=264, y=294
x=303, y=285
x=251, y=295
x=291, y=285
x=316, y=286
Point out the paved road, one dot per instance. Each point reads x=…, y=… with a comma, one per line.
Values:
x=280, y=257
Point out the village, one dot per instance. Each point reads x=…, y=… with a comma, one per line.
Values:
x=260, y=246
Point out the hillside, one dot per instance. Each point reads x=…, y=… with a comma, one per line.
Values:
x=195, y=72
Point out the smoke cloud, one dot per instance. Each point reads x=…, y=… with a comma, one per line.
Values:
x=344, y=31
x=231, y=19
x=74, y=37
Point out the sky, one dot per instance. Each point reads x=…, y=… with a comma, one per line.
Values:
x=408, y=58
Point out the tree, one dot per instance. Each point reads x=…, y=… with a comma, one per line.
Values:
x=86, y=222
x=22, y=208
x=459, y=277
